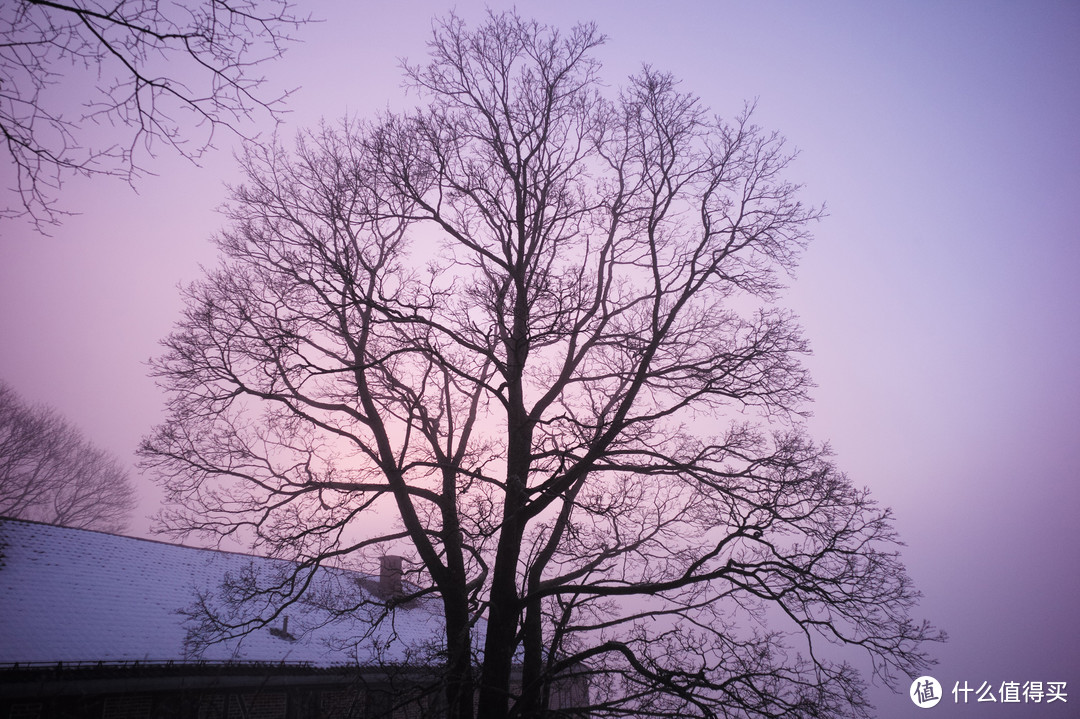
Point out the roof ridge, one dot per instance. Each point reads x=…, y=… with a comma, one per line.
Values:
x=196, y=548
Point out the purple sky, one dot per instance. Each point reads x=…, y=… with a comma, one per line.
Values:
x=941, y=294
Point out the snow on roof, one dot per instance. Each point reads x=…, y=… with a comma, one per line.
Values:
x=75, y=595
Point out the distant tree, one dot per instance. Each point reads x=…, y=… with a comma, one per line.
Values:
x=50, y=473
x=537, y=325
x=157, y=69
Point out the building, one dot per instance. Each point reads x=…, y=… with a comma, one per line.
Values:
x=100, y=625
x=110, y=627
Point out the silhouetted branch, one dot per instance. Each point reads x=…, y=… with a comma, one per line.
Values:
x=166, y=73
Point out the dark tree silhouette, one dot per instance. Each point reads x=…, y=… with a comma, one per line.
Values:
x=537, y=325
x=50, y=473
x=171, y=73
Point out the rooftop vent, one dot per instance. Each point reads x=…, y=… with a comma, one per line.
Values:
x=283, y=633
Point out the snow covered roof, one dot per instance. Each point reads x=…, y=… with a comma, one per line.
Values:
x=73, y=595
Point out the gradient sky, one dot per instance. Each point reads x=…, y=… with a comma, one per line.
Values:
x=941, y=294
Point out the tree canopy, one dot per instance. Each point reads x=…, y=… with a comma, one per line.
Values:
x=536, y=322
x=50, y=473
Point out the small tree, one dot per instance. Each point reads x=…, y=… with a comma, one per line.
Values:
x=50, y=473
x=162, y=68
x=536, y=324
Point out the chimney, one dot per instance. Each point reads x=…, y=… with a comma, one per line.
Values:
x=390, y=577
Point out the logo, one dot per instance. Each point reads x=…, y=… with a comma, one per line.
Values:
x=925, y=692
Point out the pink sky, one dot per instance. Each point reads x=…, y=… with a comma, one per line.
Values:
x=941, y=294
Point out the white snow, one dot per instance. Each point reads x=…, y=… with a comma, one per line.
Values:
x=74, y=595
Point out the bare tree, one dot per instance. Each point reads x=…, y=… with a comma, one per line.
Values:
x=50, y=473
x=170, y=73
x=537, y=325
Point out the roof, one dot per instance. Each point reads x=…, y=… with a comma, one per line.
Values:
x=75, y=595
